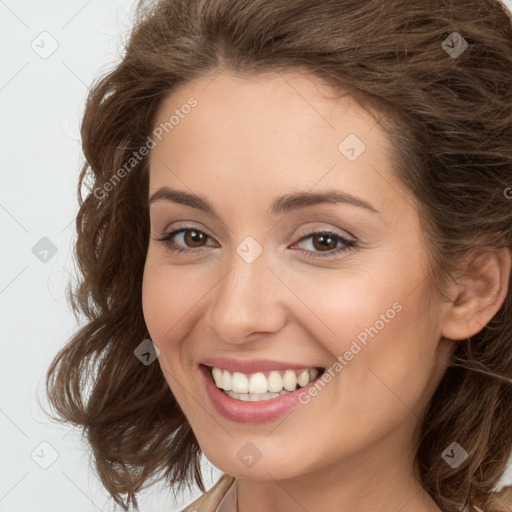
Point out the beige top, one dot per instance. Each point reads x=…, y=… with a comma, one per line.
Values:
x=220, y=498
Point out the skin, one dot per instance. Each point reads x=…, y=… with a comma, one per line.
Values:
x=250, y=140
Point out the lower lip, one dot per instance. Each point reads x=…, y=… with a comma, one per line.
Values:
x=250, y=412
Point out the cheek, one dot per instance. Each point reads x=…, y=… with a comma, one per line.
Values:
x=393, y=370
x=165, y=303
x=158, y=303
x=168, y=299
x=162, y=308
x=346, y=305
x=379, y=323
x=172, y=300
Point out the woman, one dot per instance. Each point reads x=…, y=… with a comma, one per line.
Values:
x=296, y=256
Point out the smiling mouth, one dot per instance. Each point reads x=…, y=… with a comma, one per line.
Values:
x=260, y=386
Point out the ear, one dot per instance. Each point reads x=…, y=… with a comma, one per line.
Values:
x=478, y=295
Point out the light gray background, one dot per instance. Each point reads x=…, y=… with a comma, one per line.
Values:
x=41, y=100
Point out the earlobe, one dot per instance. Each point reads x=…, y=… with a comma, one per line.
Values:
x=478, y=295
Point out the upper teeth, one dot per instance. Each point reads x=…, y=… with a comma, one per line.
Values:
x=276, y=381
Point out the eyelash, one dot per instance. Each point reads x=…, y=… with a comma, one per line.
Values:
x=349, y=245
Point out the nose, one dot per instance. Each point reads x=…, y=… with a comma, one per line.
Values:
x=249, y=299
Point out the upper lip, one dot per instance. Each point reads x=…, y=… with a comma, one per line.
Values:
x=249, y=366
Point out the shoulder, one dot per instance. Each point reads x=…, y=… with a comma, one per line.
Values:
x=209, y=501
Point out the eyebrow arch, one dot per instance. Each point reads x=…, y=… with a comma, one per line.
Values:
x=282, y=204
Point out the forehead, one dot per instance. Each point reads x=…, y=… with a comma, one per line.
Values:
x=261, y=135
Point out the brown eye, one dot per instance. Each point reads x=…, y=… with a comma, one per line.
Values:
x=325, y=244
x=193, y=238
x=323, y=241
x=190, y=239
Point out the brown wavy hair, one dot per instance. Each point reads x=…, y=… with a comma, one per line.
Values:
x=450, y=123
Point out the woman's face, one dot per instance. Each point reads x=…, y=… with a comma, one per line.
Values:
x=275, y=286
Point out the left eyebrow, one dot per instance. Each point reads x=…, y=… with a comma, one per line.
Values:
x=295, y=201
x=282, y=204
